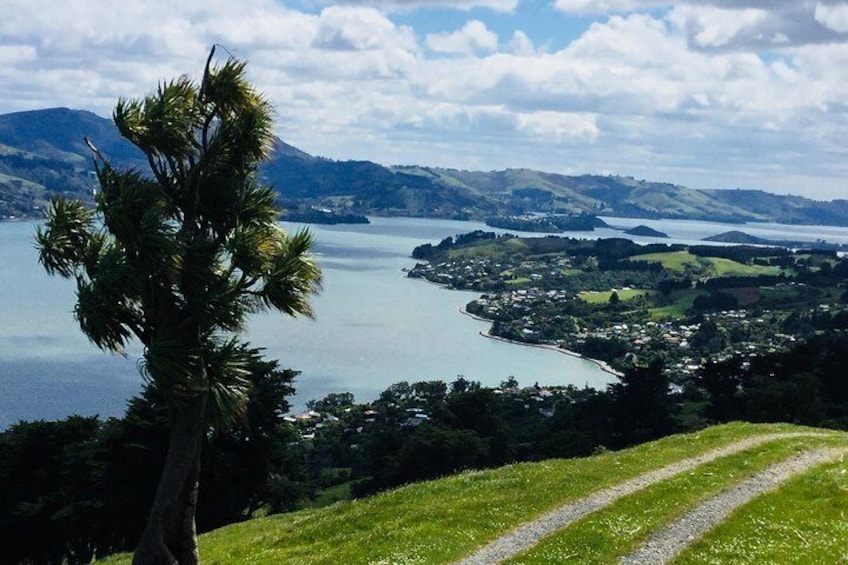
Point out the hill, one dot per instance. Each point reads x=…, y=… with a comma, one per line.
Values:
x=42, y=152
x=645, y=231
x=736, y=236
x=593, y=509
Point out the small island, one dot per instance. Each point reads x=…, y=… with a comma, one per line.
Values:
x=323, y=216
x=738, y=237
x=645, y=231
x=547, y=223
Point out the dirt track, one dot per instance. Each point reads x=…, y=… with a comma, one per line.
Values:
x=526, y=536
x=665, y=544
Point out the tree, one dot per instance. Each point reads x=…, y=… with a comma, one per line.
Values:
x=178, y=259
x=334, y=403
x=722, y=380
x=51, y=509
x=642, y=409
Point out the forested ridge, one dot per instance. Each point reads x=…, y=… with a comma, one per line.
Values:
x=42, y=153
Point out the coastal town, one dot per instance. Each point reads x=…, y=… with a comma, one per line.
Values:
x=567, y=302
x=661, y=300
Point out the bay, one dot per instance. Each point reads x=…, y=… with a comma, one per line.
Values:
x=373, y=326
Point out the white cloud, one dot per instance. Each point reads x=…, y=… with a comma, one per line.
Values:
x=736, y=24
x=559, y=126
x=520, y=44
x=694, y=92
x=474, y=37
x=833, y=17
x=360, y=29
x=714, y=27
x=496, y=5
x=595, y=6
x=17, y=54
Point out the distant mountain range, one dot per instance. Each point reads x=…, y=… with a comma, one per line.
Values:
x=42, y=152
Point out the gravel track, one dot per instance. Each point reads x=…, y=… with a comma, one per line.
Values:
x=527, y=535
x=665, y=544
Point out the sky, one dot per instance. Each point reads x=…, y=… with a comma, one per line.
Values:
x=702, y=93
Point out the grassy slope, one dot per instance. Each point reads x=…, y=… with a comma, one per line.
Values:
x=602, y=297
x=440, y=521
x=677, y=261
x=812, y=528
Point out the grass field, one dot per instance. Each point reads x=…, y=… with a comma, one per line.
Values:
x=519, y=281
x=812, y=529
x=675, y=261
x=723, y=267
x=623, y=295
x=441, y=521
x=620, y=528
x=677, y=309
x=679, y=261
x=488, y=249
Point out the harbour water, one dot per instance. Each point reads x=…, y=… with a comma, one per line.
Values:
x=373, y=326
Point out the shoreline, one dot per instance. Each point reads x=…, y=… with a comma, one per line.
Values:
x=602, y=365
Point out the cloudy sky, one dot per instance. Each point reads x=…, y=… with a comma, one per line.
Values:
x=704, y=93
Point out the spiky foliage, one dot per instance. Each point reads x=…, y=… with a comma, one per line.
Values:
x=180, y=259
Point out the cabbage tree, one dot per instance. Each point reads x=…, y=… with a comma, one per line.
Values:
x=177, y=257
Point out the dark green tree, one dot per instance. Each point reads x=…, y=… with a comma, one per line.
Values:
x=642, y=408
x=51, y=508
x=178, y=259
x=722, y=381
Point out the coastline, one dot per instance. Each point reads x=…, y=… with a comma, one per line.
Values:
x=485, y=333
x=602, y=365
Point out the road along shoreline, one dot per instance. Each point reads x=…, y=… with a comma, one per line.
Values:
x=487, y=334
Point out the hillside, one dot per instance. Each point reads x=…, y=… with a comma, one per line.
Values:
x=523, y=190
x=643, y=502
x=42, y=152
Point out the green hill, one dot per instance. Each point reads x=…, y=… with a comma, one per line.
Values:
x=602, y=507
x=736, y=236
x=42, y=152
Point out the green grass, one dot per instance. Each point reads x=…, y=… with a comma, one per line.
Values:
x=440, y=521
x=727, y=267
x=673, y=260
x=332, y=494
x=518, y=281
x=683, y=302
x=813, y=525
x=679, y=261
x=620, y=528
x=489, y=249
x=604, y=296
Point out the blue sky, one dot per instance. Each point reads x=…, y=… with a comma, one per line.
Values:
x=703, y=93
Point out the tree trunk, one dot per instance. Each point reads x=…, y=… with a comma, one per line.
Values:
x=170, y=536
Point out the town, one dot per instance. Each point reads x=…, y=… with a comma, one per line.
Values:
x=616, y=302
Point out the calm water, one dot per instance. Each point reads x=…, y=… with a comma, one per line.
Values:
x=374, y=327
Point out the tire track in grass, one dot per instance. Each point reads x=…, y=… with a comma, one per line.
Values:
x=529, y=534
x=664, y=545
